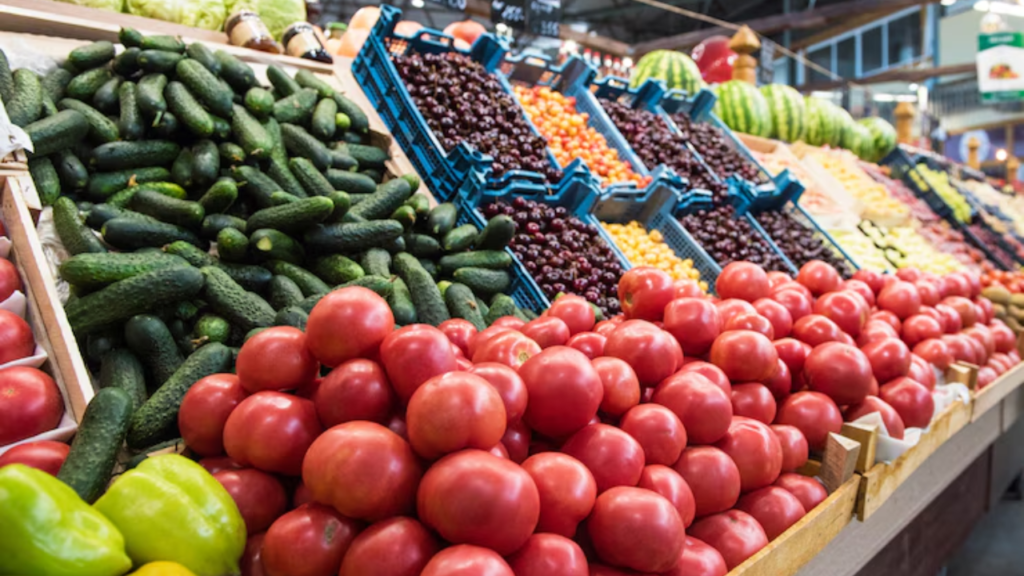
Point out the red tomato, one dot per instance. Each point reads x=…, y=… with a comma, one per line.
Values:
x=590, y=343
x=605, y=327
x=31, y=404
x=454, y=411
x=251, y=562
x=964, y=308
x=45, y=455
x=459, y=332
x=576, y=312
x=711, y=372
x=9, y=279
x=922, y=372
x=774, y=508
x=545, y=554
x=951, y=321
x=308, y=541
x=564, y=391
x=960, y=347
x=16, y=340
x=364, y=316
x=259, y=496
x=752, y=322
x=704, y=409
x=547, y=331
x=871, y=278
x=205, y=410
x=807, y=490
x=744, y=356
x=698, y=559
x=508, y=322
x=732, y=307
x=517, y=441
x=1004, y=338
x=889, y=358
x=397, y=547
x=658, y=430
x=775, y=278
x=777, y=314
x=780, y=385
x=793, y=285
x=694, y=322
x=910, y=274
x=900, y=298
x=276, y=359
x=919, y=328
x=712, y=476
x=820, y=278
x=414, y=354
x=621, y=387
x=381, y=471
x=510, y=348
x=794, y=446
x=845, y=309
x=814, y=414
x=756, y=451
x=742, y=280
x=935, y=351
x=735, y=534
x=614, y=457
x=644, y=292
x=218, y=463
x=477, y=340
x=793, y=352
x=861, y=288
x=795, y=302
x=355, y=390
x=911, y=400
x=464, y=560
x=983, y=335
x=816, y=330
x=301, y=495
x=871, y=404
x=271, y=431
x=986, y=376
x=567, y=491
x=686, y=288
x=652, y=353
x=668, y=483
x=887, y=317
x=636, y=529
x=929, y=292
x=456, y=488
x=753, y=400
x=509, y=386
x=985, y=306
x=842, y=372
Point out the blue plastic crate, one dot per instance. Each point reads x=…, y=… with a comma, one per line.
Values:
x=796, y=212
x=903, y=167
x=985, y=249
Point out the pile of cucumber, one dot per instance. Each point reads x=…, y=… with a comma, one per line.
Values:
x=199, y=207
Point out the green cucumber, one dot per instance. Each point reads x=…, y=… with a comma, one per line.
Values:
x=214, y=223
x=360, y=122
x=100, y=214
x=493, y=259
x=368, y=157
x=308, y=282
x=183, y=213
x=26, y=104
x=105, y=99
x=231, y=154
x=151, y=94
x=250, y=134
x=181, y=170
x=430, y=306
x=202, y=54
x=211, y=328
x=73, y=234
x=237, y=73
x=101, y=128
x=163, y=42
x=149, y=338
x=165, y=125
x=126, y=63
x=460, y=238
x=377, y=261
x=280, y=172
x=342, y=121
x=259, y=101
x=130, y=37
x=72, y=173
x=352, y=237
x=204, y=85
x=373, y=174
x=384, y=201
x=401, y=303
x=483, y=308
x=431, y=267
x=342, y=203
x=189, y=112
x=269, y=244
x=6, y=79
x=342, y=161
x=422, y=246
x=54, y=84
x=337, y=269
x=291, y=316
x=92, y=271
x=91, y=55
x=294, y=216
x=307, y=79
x=126, y=298
x=497, y=234
x=483, y=280
x=123, y=197
x=159, y=61
x=220, y=196
x=323, y=126
x=84, y=85
x=141, y=154
x=281, y=81
x=121, y=369
x=284, y=292
x=232, y=245
x=381, y=286
x=45, y=178
x=311, y=179
x=300, y=143
x=256, y=184
x=462, y=304
x=407, y=216
x=205, y=162
x=62, y=130
x=441, y=219
x=227, y=298
x=501, y=305
x=281, y=198
x=350, y=182
x=90, y=462
x=132, y=234
x=296, y=108
x=130, y=123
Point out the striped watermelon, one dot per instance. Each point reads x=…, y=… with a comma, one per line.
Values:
x=677, y=70
x=742, y=107
x=823, y=122
x=883, y=137
x=789, y=119
x=857, y=139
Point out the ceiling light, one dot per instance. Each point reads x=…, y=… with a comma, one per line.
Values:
x=417, y=3
x=1000, y=8
x=913, y=86
x=948, y=2
x=1001, y=155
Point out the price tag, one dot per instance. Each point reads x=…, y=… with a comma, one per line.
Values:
x=511, y=13
x=543, y=17
x=459, y=5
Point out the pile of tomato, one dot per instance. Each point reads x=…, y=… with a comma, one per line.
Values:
x=1012, y=281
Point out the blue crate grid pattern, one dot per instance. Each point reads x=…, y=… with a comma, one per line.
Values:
x=904, y=168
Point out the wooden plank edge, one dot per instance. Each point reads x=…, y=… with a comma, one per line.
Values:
x=992, y=395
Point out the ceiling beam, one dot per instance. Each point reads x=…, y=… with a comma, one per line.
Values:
x=609, y=11
x=482, y=8
x=908, y=75
x=846, y=26
x=808, y=19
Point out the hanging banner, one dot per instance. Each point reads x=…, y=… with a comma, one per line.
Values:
x=1001, y=67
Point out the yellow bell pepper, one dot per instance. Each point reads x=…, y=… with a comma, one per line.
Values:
x=163, y=569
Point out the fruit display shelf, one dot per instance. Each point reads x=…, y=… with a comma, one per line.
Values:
x=904, y=168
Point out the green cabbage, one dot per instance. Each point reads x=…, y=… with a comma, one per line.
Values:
x=276, y=14
x=115, y=5
x=206, y=14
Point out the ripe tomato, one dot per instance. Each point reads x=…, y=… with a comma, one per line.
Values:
x=732, y=307
x=814, y=414
x=983, y=335
x=355, y=390
x=218, y=463
x=1004, y=338
x=794, y=446
x=781, y=383
x=842, y=372
x=889, y=358
x=636, y=529
x=820, y=278
x=251, y=562
x=658, y=430
x=900, y=298
x=381, y=471
x=807, y=490
x=605, y=327
x=45, y=455
x=308, y=541
x=686, y=288
x=753, y=322
x=644, y=292
x=668, y=483
x=845, y=309
x=260, y=497
x=919, y=328
x=871, y=404
x=694, y=322
x=590, y=343
x=711, y=372
x=756, y=451
x=793, y=352
x=652, y=353
x=271, y=431
x=364, y=316
x=887, y=317
x=753, y=400
x=922, y=372
x=564, y=391
x=712, y=476
x=456, y=488
x=510, y=348
x=774, y=508
x=614, y=457
x=986, y=375
x=621, y=387
x=459, y=332
x=9, y=279
x=31, y=404
x=414, y=354
x=816, y=330
x=959, y=347
x=985, y=306
x=742, y=280
x=477, y=340
x=567, y=491
x=929, y=292
x=775, y=278
x=911, y=400
x=704, y=409
x=964, y=308
x=508, y=322
x=576, y=312
x=871, y=278
x=936, y=351
x=777, y=314
x=545, y=554
x=547, y=331
x=861, y=288
x=16, y=340
x=735, y=534
x=465, y=560
x=205, y=410
x=454, y=411
x=509, y=386
x=276, y=359
x=698, y=559
x=744, y=356
x=301, y=495
x=951, y=321
x=517, y=441
x=397, y=547
x=794, y=301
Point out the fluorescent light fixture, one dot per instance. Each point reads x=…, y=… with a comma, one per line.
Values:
x=417, y=3
x=1000, y=8
x=627, y=62
x=913, y=87
x=948, y=2
x=894, y=98
x=1001, y=155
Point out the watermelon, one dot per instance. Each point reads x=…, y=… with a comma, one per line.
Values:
x=857, y=139
x=677, y=70
x=789, y=119
x=742, y=107
x=883, y=137
x=824, y=125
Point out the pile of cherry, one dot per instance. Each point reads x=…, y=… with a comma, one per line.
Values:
x=727, y=238
x=711, y=142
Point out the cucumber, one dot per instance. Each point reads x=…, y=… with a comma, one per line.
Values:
x=300, y=143
x=141, y=154
x=483, y=280
x=6, y=79
x=294, y=216
x=292, y=316
x=130, y=37
x=284, y=292
x=384, y=201
x=121, y=369
x=401, y=303
x=126, y=63
x=360, y=122
x=70, y=170
x=231, y=153
x=430, y=306
x=412, y=179
x=352, y=237
x=165, y=125
x=281, y=81
x=200, y=53
x=205, y=162
x=306, y=280
x=422, y=246
x=227, y=298
x=256, y=184
x=296, y=108
x=351, y=182
x=122, y=198
x=62, y=130
x=462, y=304
x=93, y=271
x=323, y=126
x=232, y=245
x=259, y=101
x=219, y=197
x=310, y=178
x=126, y=298
x=163, y=42
x=211, y=328
x=152, y=342
x=268, y=244
x=187, y=109
x=337, y=269
x=45, y=178
x=381, y=286
x=105, y=99
x=48, y=107
x=132, y=234
x=98, y=344
x=101, y=128
x=250, y=134
x=151, y=94
x=281, y=198
x=157, y=419
x=159, y=61
x=483, y=308
x=342, y=161
x=105, y=184
x=377, y=261
x=492, y=259
x=204, y=85
x=76, y=238
x=280, y=172
x=214, y=223
x=26, y=104
x=181, y=170
x=521, y=314
x=84, y=85
x=183, y=213
x=90, y=462
x=307, y=79
x=54, y=84
x=407, y=216
x=368, y=157
x=501, y=305
x=129, y=124
x=100, y=214
x=91, y=55
x=497, y=234
x=342, y=203
x=342, y=121
x=251, y=277
x=441, y=219
x=237, y=73
x=460, y=238
x=431, y=267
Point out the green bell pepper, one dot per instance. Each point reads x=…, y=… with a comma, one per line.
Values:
x=170, y=508
x=48, y=529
